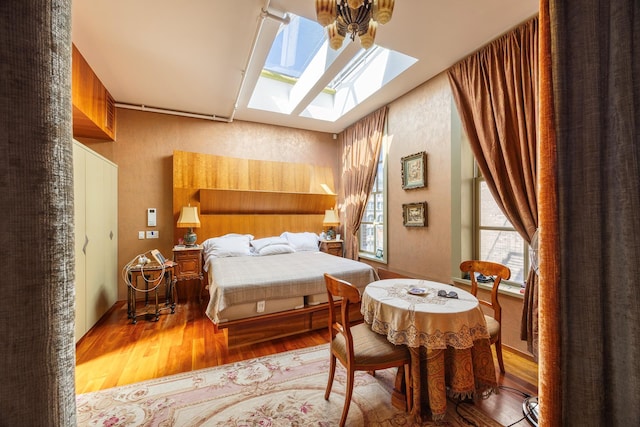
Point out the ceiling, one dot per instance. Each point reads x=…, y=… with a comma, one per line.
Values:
x=191, y=56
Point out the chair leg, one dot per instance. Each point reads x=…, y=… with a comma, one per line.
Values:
x=332, y=371
x=347, y=396
x=498, y=345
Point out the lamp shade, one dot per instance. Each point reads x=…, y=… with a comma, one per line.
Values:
x=330, y=218
x=189, y=217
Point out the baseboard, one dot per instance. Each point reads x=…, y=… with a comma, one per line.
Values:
x=520, y=353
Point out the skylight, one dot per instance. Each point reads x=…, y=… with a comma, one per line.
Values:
x=303, y=76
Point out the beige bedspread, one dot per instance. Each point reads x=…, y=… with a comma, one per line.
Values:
x=237, y=280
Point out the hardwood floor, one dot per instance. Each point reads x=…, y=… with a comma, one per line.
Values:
x=115, y=352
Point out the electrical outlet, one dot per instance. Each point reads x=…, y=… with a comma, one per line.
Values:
x=152, y=234
x=260, y=307
x=140, y=235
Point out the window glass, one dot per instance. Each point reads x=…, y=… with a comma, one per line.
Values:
x=498, y=241
x=372, y=229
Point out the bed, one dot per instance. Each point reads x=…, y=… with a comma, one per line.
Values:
x=280, y=280
x=282, y=204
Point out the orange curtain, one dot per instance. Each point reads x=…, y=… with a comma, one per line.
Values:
x=548, y=373
x=360, y=152
x=496, y=92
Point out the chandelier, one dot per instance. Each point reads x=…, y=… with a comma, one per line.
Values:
x=353, y=17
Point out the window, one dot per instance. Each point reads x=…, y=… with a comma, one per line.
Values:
x=303, y=76
x=372, y=228
x=496, y=238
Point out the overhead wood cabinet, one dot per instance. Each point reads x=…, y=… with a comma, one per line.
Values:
x=96, y=236
x=94, y=110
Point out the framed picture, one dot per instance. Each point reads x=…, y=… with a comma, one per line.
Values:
x=414, y=171
x=414, y=214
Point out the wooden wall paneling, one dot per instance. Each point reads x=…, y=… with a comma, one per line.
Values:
x=262, y=202
x=257, y=225
x=263, y=198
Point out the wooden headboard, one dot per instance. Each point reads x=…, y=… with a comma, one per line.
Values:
x=263, y=198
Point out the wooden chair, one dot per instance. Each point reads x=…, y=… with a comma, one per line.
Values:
x=358, y=347
x=383, y=273
x=497, y=272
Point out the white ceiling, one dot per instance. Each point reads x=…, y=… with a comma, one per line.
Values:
x=189, y=56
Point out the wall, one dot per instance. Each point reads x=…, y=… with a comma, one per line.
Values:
x=143, y=152
x=421, y=121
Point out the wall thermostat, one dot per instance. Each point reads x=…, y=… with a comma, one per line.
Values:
x=151, y=217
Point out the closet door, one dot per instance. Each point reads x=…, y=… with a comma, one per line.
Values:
x=96, y=240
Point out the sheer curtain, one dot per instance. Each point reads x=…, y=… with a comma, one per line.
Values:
x=496, y=92
x=590, y=214
x=361, y=144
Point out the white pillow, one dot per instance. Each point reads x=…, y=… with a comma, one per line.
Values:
x=306, y=241
x=258, y=244
x=227, y=246
x=276, y=249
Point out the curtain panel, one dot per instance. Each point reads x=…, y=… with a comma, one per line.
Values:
x=37, y=355
x=496, y=93
x=361, y=144
x=595, y=69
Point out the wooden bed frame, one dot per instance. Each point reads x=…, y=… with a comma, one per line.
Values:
x=261, y=198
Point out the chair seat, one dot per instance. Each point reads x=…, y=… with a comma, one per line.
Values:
x=371, y=348
x=493, y=327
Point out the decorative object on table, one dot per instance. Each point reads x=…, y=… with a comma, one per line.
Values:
x=189, y=219
x=414, y=171
x=414, y=214
x=290, y=386
x=344, y=18
x=494, y=323
x=330, y=221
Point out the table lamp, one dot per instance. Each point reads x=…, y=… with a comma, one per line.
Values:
x=330, y=220
x=189, y=219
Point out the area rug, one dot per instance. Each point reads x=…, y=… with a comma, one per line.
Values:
x=285, y=389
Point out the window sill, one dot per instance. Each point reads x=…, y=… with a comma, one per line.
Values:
x=506, y=288
x=370, y=257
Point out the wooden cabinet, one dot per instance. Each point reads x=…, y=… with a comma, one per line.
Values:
x=94, y=110
x=96, y=236
x=333, y=247
x=188, y=265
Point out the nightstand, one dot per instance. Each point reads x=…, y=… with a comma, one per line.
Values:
x=333, y=247
x=188, y=261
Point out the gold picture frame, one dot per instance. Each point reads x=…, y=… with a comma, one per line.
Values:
x=414, y=214
x=414, y=171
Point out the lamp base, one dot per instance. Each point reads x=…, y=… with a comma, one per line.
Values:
x=190, y=238
x=331, y=234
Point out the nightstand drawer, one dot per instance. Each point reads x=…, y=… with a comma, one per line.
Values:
x=332, y=247
x=189, y=265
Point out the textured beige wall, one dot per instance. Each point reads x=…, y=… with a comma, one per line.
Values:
x=143, y=151
x=421, y=121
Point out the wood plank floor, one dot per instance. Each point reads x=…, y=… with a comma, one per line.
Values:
x=115, y=352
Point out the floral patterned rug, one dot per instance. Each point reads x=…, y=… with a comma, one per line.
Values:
x=285, y=389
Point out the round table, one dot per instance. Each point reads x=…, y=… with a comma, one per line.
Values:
x=449, y=333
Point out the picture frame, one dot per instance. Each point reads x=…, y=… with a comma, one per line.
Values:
x=414, y=214
x=414, y=171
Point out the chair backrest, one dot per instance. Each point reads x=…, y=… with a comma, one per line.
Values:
x=492, y=270
x=349, y=295
x=383, y=273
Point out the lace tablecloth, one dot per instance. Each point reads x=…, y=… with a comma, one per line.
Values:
x=448, y=339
